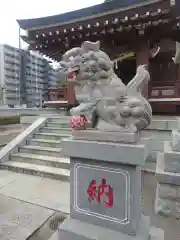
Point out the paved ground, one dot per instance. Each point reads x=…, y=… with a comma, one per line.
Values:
x=26, y=202
x=18, y=220
x=44, y=192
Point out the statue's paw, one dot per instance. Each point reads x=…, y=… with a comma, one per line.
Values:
x=73, y=112
x=132, y=128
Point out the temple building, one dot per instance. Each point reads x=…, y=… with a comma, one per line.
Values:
x=132, y=32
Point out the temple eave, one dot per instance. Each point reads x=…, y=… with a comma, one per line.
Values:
x=95, y=11
x=119, y=27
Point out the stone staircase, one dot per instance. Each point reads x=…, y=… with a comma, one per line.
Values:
x=41, y=155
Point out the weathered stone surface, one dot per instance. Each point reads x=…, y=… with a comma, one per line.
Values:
x=168, y=191
x=109, y=136
x=109, y=152
x=155, y=144
x=163, y=206
x=163, y=176
x=152, y=157
x=160, y=135
x=55, y=236
x=7, y=136
x=19, y=220
x=166, y=206
x=175, y=140
x=178, y=192
x=171, y=157
x=164, y=123
x=177, y=210
x=78, y=230
x=156, y=234
x=36, y=190
x=168, y=188
x=158, y=124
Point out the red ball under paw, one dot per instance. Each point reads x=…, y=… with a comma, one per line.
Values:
x=78, y=122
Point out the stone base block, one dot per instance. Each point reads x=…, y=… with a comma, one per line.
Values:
x=169, y=191
x=110, y=136
x=164, y=176
x=107, y=151
x=176, y=140
x=167, y=202
x=171, y=158
x=156, y=234
x=72, y=229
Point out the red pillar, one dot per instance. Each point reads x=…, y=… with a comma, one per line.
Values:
x=142, y=57
x=178, y=82
x=178, y=75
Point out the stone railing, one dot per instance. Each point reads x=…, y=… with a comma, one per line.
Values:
x=12, y=146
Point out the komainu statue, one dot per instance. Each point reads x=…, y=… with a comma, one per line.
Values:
x=108, y=100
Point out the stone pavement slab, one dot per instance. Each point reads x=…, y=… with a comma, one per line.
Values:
x=6, y=177
x=18, y=220
x=44, y=192
x=54, y=195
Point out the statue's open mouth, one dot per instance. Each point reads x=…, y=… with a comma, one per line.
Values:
x=73, y=71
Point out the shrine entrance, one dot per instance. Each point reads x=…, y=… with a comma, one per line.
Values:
x=126, y=69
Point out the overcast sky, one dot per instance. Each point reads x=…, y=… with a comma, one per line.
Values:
x=10, y=10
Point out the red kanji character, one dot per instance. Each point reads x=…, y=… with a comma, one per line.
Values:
x=102, y=191
x=97, y=192
x=92, y=190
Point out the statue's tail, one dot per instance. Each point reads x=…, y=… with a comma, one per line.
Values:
x=176, y=59
x=141, y=78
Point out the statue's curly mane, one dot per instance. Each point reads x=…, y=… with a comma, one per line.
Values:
x=92, y=63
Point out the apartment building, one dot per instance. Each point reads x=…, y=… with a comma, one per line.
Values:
x=24, y=77
x=10, y=75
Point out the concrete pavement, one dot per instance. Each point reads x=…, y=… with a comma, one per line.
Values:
x=27, y=202
x=18, y=220
x=43, y=192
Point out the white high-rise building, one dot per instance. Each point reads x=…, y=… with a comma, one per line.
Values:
x=35, y=67
x=25, y=77
x=10, y=75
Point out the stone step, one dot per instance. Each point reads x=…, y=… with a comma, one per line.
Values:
x=47, y=151
x=53, y=136
x=55, y=130
x=58, y=125
x=44, y=142
x=38, y=170
x=41, y=160
x=54, y=236
x=62, y=119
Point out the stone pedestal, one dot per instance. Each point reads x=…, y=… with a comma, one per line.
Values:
x=105, y=188
x=168, y=178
